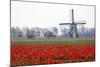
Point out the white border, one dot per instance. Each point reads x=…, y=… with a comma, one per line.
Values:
x=5, y=32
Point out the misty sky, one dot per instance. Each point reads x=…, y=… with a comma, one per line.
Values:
x=27, y=14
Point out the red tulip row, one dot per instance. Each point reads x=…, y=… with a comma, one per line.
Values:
x=51, y=54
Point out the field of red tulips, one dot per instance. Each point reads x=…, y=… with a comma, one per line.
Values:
x=49, y=53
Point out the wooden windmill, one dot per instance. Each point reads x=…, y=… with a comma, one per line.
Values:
x=73, y=32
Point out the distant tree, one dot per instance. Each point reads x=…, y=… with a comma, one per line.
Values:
x=49, y=33
x=37, y=32
x=18, y=32
x=29, y=33
x=33, y=33
x=87, y=32
x=55, y=31
x=65, y=32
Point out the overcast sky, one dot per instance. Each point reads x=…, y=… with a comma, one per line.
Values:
x=27, y=14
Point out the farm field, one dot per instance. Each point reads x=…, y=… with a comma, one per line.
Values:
x=51, y=51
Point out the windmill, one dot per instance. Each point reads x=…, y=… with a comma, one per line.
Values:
x=73, y=32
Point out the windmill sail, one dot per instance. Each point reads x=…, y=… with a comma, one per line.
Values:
x=72, y=15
